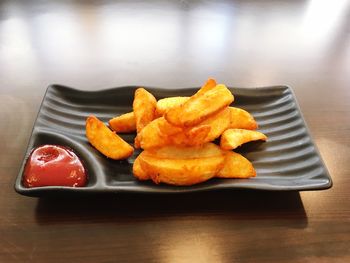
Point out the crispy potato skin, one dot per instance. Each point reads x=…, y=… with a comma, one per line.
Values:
x=106, y=141
x=236, y=166
x=124, y=123
x=181, y=172
x=232, y=138
x=182, y=165
x=159, y=133
x=144, y=107
x=206, y=102
x=241, y=119
x=208, y=85
x=163, y=105
x=193, y=136
x=218, y=123
x=184, y=152
x=138, y=172
x=152, y=136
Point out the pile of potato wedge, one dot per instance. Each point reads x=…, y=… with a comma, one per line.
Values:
x=177, y=134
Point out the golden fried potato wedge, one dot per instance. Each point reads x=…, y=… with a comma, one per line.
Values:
x=206, y=131
x=137, y=143
x=154, y=134
x=232, y=138
x=106, y=141
x=200, y=106
x=208, y=85
x=144, y=107
x=196, y=135
x=241, y=119
x=159, y=133
x=181, y=172
x=190, y=137
x=218, y=123
x=182, y=166
x=236, y=166
x=186, y=152
x=163, y=105
x=138, y=172
x=123, y=123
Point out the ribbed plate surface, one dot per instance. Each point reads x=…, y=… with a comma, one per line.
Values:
x=289, y=159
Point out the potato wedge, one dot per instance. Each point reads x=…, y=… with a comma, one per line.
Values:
x=144, y=107
x=123, y=123
x=106, y=141
x=196, y=135
x=232, y=138
x=218, y=123
x=200, y=106
x=163, y=105
x=138, y=172
x=153, y=135
x=181, y=172
x=159, y=133
x=206, y=131
x=208, y=85
x=236, y=166
x=183, y=152
x=182, y=165
x=190, y=137
x=241, y=119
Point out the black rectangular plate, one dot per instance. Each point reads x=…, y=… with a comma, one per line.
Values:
x=288, y=161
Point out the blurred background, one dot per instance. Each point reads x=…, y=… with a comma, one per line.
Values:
x=99, y=44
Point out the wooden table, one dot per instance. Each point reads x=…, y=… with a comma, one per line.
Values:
x=94, y=45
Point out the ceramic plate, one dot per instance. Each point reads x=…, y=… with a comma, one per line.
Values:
x=289, y=159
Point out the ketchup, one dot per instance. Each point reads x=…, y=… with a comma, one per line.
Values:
x=54, y=165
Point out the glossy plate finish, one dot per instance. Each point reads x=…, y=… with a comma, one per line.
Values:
x=289, y=159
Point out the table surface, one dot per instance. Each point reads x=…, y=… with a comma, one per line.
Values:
x=94, y=45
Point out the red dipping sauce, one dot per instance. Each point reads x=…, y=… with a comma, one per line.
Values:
x=54, y=165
